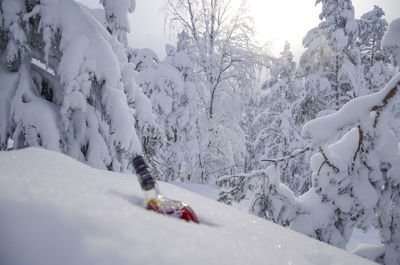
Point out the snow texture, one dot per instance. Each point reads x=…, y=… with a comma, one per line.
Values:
x=56, y=210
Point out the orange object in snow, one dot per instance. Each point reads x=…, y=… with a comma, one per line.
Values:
x=156, y=202
x=174, y=208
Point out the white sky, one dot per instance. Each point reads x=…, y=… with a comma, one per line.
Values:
x=275, y=21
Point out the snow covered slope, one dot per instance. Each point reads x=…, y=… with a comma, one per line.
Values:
x=55, y=210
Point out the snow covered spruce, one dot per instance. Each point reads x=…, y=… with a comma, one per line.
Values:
x=84, y=101
x=169, y=86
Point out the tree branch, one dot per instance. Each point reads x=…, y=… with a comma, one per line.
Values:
x=360, y=141
x=378, y=108
x=392, y=92
x=327, y=160
x=278, y=160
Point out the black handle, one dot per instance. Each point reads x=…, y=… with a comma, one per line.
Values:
x=146, y=180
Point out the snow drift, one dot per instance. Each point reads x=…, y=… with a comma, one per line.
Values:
x=56, y=210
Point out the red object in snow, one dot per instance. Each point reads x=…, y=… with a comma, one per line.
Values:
x=174, y=208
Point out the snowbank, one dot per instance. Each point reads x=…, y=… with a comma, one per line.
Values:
x=55, y=210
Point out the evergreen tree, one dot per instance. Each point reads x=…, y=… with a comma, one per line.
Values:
x=274, y=200
x=173, y=98
x=271, y=133
x=332, y=54
x=84, y=102
x=276, y=132
x=374, y=59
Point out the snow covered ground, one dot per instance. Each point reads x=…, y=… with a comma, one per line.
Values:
x=201, y=189
x=55, y=210
x=359, y=237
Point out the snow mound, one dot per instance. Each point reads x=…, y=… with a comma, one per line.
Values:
x=56, y=210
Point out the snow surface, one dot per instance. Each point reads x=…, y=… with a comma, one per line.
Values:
x=56, y=210
x=371, y=237
x=201, y=189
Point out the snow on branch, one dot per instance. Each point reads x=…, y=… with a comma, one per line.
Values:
x=285, y=158
x=360, y=142
x=355, y=111
x=327, y=161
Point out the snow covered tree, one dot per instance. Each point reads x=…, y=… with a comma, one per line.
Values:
x=271, y=133
x=84, y=102
x=283, y=69
x=357, y=177
x=332, y=54
x=388, y=185
x=217, y=38
x=276, y=133
x=274, y=200
x=116, y=18
x=374, y=59
x=315, y=94
x=174, y=102
x=218, y=41
x=253, y=110
x=237, y=189
x=355, y=180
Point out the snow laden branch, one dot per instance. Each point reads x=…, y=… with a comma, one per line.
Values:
x=355, y=180
x=236, y=187
x=286, y=158
x=326, y=160
x=274, y=200
x=360, y=184
x=354, y=112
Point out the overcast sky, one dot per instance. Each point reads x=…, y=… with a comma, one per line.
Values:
x=275, y=20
